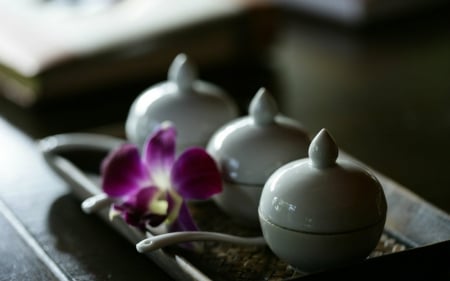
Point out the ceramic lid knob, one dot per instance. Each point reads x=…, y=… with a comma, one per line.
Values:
x=323, y=195
x=323, y=151
x=252, y=147
x=263, y=108
x=183, y=73
x=196, y=108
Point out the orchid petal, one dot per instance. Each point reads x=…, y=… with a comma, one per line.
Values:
x=152, y=188
x=122, y=171
x=175, y=201
x=185, y=222
x=195, y=175
x=159, y=150
x=132, y=219
x=145, y=199
x=139, y=208
x=152, y=220
x=127, y=212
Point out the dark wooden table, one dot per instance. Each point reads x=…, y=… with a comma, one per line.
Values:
x=383, y=91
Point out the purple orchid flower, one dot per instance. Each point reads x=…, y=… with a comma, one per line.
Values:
x=152, y=188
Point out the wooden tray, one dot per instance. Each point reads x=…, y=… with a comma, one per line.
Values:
x=411, y=223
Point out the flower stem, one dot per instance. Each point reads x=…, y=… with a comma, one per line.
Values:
x=159, y=241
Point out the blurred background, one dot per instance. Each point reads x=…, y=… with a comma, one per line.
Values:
x=376, y=75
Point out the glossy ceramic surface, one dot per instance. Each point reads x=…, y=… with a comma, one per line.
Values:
x=317, y=212
x=302, y=197
x=240, y=201
x=197, y=108
x=319, y=194
x=249, y=149
x=311, y=252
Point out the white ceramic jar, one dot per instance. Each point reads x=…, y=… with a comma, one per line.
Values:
x=249, y=149
x=196, y=108
x=318, y=213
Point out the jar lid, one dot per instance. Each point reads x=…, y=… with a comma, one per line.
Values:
x=249, y=149
x=321, y=195
x=196, y=108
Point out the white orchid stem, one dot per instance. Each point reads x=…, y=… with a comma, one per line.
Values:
x=96, y=203
x=162, y=240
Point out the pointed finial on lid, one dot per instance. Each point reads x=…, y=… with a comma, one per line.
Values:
x=183, y=72
x=323, y=150
x=263, y=107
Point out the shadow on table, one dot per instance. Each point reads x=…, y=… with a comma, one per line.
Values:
x=88, y=249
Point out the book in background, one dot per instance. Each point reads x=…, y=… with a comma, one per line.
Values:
x=51, y=49
x=54, y=49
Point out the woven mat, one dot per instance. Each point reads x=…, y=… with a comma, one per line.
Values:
x=226, y=261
